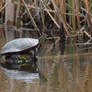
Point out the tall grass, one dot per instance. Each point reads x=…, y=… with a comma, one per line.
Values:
x=70, y=12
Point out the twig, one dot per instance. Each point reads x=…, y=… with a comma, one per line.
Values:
x=86, y=11
x=87, y=34
x=75, y=10
x=69, y=26
x=38, y=8
x=31, y=16
x=4, y=6
x=52, y=18
x=60, y=17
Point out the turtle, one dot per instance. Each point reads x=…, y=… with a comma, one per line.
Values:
x=12, y=50
x=19, y=45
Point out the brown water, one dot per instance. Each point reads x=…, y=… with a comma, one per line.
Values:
x=70, y=72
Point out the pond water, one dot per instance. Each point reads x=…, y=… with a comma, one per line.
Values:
x=69, y=72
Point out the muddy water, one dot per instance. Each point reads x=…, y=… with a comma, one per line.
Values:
x=69, y=72
x=72, y=74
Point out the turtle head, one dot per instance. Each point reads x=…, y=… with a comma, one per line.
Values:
x=42, y=39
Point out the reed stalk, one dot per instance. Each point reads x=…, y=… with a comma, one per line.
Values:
x=59, y=14
x=74, y=17
x=87, y=7
x=1, y=1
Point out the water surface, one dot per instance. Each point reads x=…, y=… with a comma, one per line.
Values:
x=67, y=72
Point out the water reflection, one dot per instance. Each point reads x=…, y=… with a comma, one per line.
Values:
x=20, y=75
x=70, y=72
x=60, y=78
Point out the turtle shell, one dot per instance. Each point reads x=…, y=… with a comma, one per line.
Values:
x=18, y=45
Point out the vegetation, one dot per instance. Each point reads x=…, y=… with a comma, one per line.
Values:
x=44, y=16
